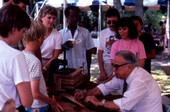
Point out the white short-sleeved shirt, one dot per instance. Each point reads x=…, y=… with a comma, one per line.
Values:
x=13, y=70
x=53, y=41
x=142, y=94
x=35, y=73
x=76, y=56
x=103, y=38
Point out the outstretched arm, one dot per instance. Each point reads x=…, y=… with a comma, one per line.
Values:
x=106, y=104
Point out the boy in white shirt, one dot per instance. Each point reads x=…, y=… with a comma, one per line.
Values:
x=13, y=70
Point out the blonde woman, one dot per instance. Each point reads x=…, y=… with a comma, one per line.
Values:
x=51, y=47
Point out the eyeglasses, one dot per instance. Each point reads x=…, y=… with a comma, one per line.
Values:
x=113, y=22
x=117, y=66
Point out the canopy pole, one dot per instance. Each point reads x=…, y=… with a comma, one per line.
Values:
x=99, y=18
x=39, y=9
x=168, y=24
x=64, y=18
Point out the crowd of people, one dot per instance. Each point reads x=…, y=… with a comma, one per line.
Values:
x=124, y=51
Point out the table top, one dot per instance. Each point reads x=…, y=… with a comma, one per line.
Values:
x=70, y=106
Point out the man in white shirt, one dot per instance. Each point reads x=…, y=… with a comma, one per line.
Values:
x=106, y=39
x=81, y=44
x=142, y=92
x=14, y=80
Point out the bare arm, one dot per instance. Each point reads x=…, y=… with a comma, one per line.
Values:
x=101, y=65
x=55, y=56
x=152, y=54
x=39, y=96
x=24, y=91
x=141, y=62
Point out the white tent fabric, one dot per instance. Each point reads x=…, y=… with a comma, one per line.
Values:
x=59, y=3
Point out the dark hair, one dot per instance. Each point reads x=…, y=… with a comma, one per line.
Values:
x=26, y=2
x=137, y=18
x=47, y=9
x=127, y=22
x=12, y=16
x=112, y=12
x=129, y=57
x=161, y=23
x=67, y=10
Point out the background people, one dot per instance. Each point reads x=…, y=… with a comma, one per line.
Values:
x=128, y=33
x=15, y=82
x=33, y=38
x=142, y=93
x=163, y=32
x=22, y=4
x=106, y=39
x=83, y=44
x=147, y=41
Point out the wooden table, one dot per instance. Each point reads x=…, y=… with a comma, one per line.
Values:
x=69, y=106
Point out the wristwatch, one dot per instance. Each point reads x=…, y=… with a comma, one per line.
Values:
x=103, y=102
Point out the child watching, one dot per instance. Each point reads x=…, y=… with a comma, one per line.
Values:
x=33, y=38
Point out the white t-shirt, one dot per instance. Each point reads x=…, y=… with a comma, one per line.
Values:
x=76, y=56
x=142, y=94
x=35, y=73
x=13, y=70
x=103, y=38
x=53, y=41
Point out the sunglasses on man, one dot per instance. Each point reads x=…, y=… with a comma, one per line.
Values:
x=113, y=22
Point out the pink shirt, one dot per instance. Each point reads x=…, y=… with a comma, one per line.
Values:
x=135, y=46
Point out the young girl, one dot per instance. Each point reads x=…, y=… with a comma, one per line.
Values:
x=128, y=34
x=33, y=38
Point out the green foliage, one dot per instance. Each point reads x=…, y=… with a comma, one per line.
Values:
x=153, y=17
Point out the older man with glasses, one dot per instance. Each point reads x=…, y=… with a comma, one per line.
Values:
x=106, y=39
x=141, y=94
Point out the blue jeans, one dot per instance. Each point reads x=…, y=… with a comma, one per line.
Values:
x=43, y=109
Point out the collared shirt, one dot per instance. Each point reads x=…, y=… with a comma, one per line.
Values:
x=142, y=94
x=76, y=56
x=51, y=43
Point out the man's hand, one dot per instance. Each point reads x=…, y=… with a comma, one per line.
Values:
x=110, y=42
x=80, y=95
x=93, y=100
x=69, y=44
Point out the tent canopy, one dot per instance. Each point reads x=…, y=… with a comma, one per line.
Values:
x=59, y=3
